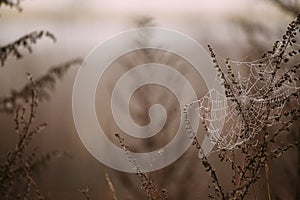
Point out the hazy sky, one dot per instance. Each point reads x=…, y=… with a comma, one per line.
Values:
x=136, y=5
x=214, y=7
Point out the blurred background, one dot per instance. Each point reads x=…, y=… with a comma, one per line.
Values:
x=241, y=30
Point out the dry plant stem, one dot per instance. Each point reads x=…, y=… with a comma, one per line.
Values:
x=255, y=154
x=16, y=167
x=86, y=193
x=15, y=171
x=43, y=84
x=285, y=43
x=254, y=193
x=298, y=168
x=227, y=85
x=148, y=185
x=14, y=48
x=267, y=180
x=111, y=186
x=217, y=186
x=23, y=134
x=241, y=174
x=284, y=5
x=11, y=3
x=255, y=163
x=32, y=183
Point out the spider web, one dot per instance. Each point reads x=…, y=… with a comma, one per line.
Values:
x=258, y=96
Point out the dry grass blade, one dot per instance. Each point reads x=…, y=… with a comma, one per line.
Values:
x=111, y=186
x=267, y=180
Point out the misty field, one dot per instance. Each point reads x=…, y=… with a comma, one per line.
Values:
x=252, y=46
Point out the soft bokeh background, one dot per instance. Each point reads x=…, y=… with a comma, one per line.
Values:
x=79, y=26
